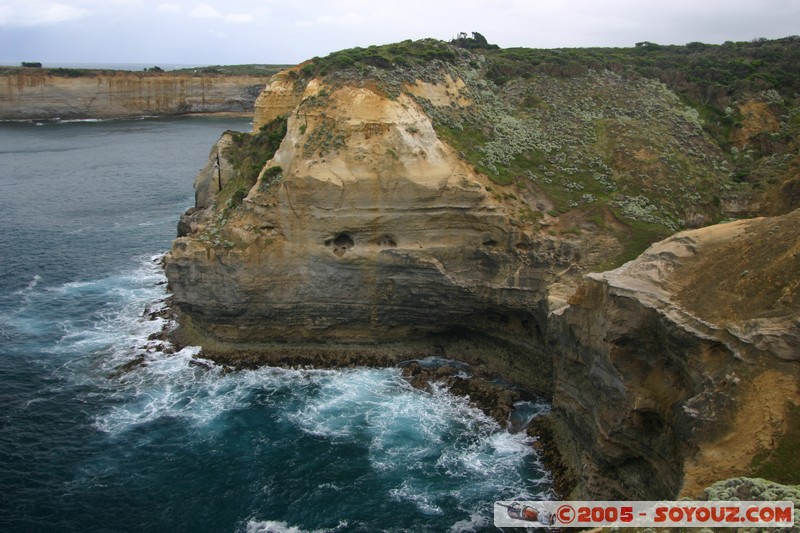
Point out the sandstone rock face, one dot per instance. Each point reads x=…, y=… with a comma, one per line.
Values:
x=38, y=95
x=280, y=97
x=374, y=231
x=216, y=173
x=693, y=349
x=366, y=229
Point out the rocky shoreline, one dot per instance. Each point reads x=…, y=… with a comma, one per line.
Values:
x=353, y=228
x=591, y=430
x=485, y=389
x=490, y=391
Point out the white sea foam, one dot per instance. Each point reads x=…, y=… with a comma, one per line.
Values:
x=274, y=526
x=29, y=287
x=416, y=436
x=417, y=493
x=427, y=448
x=83, y=120
x=476, y=522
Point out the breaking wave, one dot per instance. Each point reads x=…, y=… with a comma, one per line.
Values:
x=429, y=454
x=105, y=427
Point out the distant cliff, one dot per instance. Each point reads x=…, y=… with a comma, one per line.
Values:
x=421, y=199
x=44, y=94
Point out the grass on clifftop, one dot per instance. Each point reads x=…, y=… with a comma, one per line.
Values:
x=234, y=70
x=661, y=138
x=404, y=54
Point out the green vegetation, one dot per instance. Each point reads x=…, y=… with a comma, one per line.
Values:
x=271, y=173
x=636, y=143
x=658, y=137
x=270, y=177
x=248, y=154
x=477, y=41
x=756, y=489
x=234, y=70
x=73, y=72
x=701, y=71
x=58, y=72
x=593, y=140
x=237, y=196
x=707, y=76
x=636, y=240
x=264, y=71
x=323, y=138
x=404, y=54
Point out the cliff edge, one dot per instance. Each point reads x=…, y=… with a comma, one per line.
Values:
x=363, y=228
x=42, y=94
x=419, y=199
x=694, y=348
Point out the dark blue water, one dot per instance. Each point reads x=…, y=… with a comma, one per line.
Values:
x=170, y=445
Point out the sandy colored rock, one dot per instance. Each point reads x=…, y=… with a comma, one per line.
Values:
x=280, y=97
x=366, y=232
x=110, y=94
x=216, y=173
x=440, y=94
x=375, y=231
x=693, y=349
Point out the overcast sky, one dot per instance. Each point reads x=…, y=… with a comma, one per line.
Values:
x=203, y=32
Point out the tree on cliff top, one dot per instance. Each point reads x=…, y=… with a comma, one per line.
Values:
x=476, y=41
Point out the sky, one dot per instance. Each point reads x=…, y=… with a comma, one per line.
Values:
x=227, y=32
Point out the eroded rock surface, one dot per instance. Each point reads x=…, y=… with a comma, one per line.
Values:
x=37, y=94
x=366, y=237
x=371, y=230
x=677, y=368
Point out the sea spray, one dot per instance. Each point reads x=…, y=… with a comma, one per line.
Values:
x=427, y=454
x=104, y=428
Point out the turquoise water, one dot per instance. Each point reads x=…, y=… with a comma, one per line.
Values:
x=176, y=444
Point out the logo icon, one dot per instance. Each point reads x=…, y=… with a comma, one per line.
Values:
x=517, y=511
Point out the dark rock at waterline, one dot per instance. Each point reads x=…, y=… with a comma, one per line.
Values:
x=494, y=399
x=541, y=428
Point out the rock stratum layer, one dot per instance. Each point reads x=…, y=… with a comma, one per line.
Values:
x=387, y=241
x=364, y=229
x=37, y=94
x=694, y=349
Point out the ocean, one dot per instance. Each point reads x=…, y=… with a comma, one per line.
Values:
x=91, y=443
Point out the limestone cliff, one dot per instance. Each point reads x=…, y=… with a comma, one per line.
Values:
x=419, y=199
x=694, y=348
x=383, y=235
x=39, y=94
